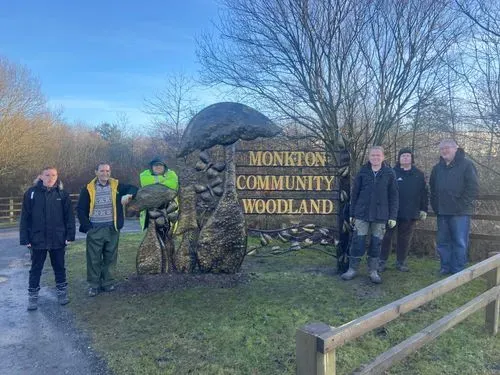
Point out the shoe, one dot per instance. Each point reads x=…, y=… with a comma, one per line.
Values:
x=108, y=288
x=382, y=265
x=353, y=269
x=62, y=297
x=32, y=301
x=349, y=274
x=375, y=277
x=93, y=292
x=373, y=266
x=402, y=267
x=443, y=272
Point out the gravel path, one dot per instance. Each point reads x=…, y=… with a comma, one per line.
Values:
x=44, y=341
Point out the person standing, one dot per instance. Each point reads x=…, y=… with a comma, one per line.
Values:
x=454, y=185
x=158, y=173
x=374, y=204
x=47, y=226
x=100, y=213
x=413, y=206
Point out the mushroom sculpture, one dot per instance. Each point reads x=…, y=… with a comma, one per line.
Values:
x=156, y=251
x=221, y=239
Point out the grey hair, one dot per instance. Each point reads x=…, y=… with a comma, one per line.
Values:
x=448, y=142
x=378, y=148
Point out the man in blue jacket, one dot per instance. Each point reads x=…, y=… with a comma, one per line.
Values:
x=413, y=206
x=454, y=186
x=374, y=204
x=47, y=225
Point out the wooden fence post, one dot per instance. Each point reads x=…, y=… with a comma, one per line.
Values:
x=493, y=308
x=11, y=210
x=309, y=360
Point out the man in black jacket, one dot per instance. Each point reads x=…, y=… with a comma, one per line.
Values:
x=100, y=213
x=374, y=204
x=454, y=186
x=47, y=225
x=413, y=205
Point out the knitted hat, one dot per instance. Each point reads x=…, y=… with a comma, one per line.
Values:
x=406, y=150
x=157, y=161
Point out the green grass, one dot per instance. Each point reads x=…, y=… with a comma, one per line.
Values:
x=8, y=224
x=250, y=328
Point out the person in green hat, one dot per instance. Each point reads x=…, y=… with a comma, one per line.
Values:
x=158, y=173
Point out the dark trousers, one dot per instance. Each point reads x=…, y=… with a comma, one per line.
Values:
x=38, y=260
x=102, y=255
x=404, y=229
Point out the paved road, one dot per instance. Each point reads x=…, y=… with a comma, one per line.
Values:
x=44, y=341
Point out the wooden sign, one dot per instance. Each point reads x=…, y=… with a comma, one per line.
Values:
x=285, y=181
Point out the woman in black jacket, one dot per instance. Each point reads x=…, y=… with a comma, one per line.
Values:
x=47, y=225
x=413, y=206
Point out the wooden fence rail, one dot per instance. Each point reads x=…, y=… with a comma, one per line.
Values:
x=10, y=208
x=316, y=343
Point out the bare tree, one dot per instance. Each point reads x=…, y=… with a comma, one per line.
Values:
x=335, y=67
x=478, y=69
x=299, y=57
x=19, y=91
x=484, y=13
x=26, y=125
x=403, y=44
x=173, y=107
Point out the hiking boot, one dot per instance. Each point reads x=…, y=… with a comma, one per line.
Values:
x=373, y=264
x=444, y=272
x=62, y=294
x=93, y=292
x=108, y=288
x=349, y=274
x=402, y=267
x=382, y=265
x=32, y=300
x=353, y=269
x=375, y=277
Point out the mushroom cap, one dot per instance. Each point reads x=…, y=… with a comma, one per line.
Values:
x=223, y=124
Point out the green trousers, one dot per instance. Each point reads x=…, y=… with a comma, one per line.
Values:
x=102, y=254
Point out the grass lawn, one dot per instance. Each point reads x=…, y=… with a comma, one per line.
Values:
x=250, y=328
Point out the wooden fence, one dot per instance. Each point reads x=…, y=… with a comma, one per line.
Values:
x=474, y=236
x=10, y=208
x=317, y=343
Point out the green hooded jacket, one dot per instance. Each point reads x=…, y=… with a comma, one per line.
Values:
x=169, y=179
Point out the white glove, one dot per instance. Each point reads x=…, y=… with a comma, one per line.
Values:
x=126, y=199
x=352, y=220
x=423, y=215
x=391, y=223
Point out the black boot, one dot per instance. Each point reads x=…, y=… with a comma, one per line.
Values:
x=382, y=265
x=62, y=293
x=33, y=299
x=373, y=259
x=353, y=269
x=373, y=266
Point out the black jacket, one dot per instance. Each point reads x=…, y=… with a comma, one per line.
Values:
x=47, y=218
x=375, y=197
x=413, y=193
x=454, y=187
x=87, y=197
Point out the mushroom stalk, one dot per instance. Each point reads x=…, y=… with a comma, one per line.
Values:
x=230, y=183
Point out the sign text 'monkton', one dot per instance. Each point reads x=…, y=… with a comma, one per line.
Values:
x=284, y=183
x=288, y=206
x=287, y=158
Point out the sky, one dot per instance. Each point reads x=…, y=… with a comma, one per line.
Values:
x=98, y=60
